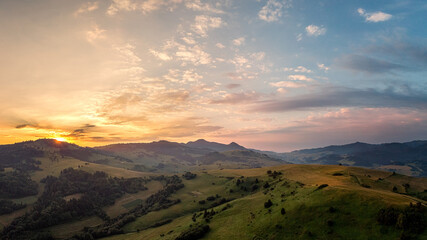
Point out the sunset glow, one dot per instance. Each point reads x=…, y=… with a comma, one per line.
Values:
x=60, y=139
x=271, y=74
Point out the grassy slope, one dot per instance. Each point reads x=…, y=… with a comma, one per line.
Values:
x=122, y=204
x=54, y=168
x=307, y=210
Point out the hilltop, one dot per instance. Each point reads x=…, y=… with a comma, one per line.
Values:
x=213, y=146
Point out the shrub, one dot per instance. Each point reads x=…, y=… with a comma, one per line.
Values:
x=189, y=175
x=254, y=187
x=387, y=216
x=266, y=185
x=210, y=198
x=268, y=204
x=332, y=209
x=283, y=211
x=322, y=186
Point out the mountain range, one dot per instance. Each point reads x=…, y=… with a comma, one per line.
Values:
x=409, y=158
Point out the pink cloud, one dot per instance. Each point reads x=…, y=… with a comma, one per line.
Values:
x=342, y=126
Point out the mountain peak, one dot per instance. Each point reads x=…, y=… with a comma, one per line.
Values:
x=214, y=146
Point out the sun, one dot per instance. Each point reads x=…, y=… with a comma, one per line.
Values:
x=60, y=139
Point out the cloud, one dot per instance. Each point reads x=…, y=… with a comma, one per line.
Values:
x=152, y=5
x=287, y=84
x=95, y=33
x=259, y=56
x=160, y=55
x=233, y=85
x=411, y=53
x=240, y=75
x=175, y=96
x=145, y=7
x=80, y=132
x=315, y=31
x=322, y=66
x=239, y=41
x=124, y=5
x=347, y=97
x=389, y=57
x=203, y=23
x=87, y=7
x=300, y=78
x=237, y=98
x=123, y=101
x=374, y=16
x=299, y=37
x=194, y=54
x=220, y=45
x=273, y=10
x=341, y=126
x=299, y=69
x=19, y=126
x=186, y=127
x=367, y=64
x=189, y=40
x=196, y=5
x=183, y=76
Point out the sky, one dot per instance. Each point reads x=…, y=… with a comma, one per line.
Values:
x=268, y=74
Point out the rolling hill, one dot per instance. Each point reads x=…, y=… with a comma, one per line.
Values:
x=164, y=156
x=408, y=158
x=56, y=189
x=288, y=202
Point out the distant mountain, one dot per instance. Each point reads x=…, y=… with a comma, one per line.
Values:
x=213, y=146
x=408, y=158
x=164, y=156
x=160, y=147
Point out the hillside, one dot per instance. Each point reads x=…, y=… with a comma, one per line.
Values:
x=164, y=156
x=408, y=158
x=285, y=202
x=24, y=165
x=238, y=159
x=23, y=155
